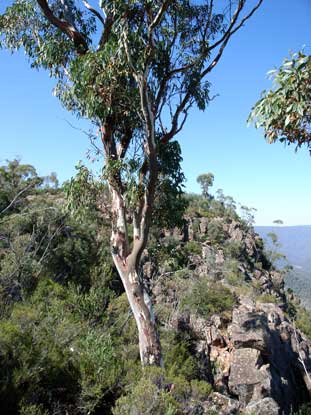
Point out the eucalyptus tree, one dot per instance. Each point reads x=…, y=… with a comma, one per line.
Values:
x=206, y=181
x=284, y=112
x=134, y=68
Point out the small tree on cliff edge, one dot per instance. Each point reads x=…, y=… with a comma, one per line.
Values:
x=134, y=68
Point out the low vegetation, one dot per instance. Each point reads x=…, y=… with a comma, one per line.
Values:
x=68, y=339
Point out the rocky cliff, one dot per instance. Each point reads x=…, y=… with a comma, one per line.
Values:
x=257, y=361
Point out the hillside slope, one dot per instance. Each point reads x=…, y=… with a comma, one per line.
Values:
x=295, y=243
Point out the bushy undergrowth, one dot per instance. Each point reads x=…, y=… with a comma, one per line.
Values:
x=52, y=357
x=68, y=339
x=207, y=298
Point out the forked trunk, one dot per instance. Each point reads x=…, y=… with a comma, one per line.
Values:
x=127, y=264
x=141, y=306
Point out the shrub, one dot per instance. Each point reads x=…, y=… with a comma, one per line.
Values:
x=51, y=359
x=200, y=389
x=32, y=410
x=178, y=359
x=234, y=249
x=266, y=298
x=193, y=247
x=208, y=298
x=303, y=321
x=215, y=232
x=146, y=398
x=305, y=409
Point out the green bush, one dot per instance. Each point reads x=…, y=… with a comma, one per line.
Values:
x=303, y=321
x=32, y=410
x=200, y=389
x=303, y=410
x=208, y=298
x=178, y=359
x=146, y=398
x=193, y=247
x=234, y=249
x=215, y=232
x=50, y=358
x=266, y=298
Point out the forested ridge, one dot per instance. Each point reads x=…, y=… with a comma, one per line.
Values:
x=68, y=342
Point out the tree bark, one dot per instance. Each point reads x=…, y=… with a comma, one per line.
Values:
x=141, y=306
x=128, y=267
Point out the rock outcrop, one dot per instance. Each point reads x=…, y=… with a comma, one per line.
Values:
x=257, y=362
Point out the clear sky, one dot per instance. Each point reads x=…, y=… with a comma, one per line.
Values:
x=271, y=178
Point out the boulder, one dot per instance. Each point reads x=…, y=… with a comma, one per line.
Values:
x=249, y=329
x=221, y=404
x=249, y=379
x=266, y=406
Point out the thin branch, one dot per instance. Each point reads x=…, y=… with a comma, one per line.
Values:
x=209, y=19
x=90, y=136
x=94, y=11
x=180, y=108
x=48, y=246
x=223, y=41
x=159, y=15
x=232, y=24
x=16, y=197
x=230, y=32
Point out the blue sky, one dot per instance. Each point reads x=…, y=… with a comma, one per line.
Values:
x=271, y=178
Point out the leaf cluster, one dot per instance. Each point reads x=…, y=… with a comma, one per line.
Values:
x=285, y=112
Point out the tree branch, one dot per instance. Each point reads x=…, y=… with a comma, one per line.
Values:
x=67, y=28
x=108, y=23
x=16, y=197
x=159, y=15
x=94, y=11
x=234, y=19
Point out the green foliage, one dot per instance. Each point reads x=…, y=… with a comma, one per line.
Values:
x=232, y=272
x=200, y=389
x=303, y=321
x=169, y=254
x=266, y=298
x=51, y=358
x=234, y=249
x=32, y=409
x=161, y=392
x=178, y=360
x=146, y=398
x=84, y=192
x=193, y=247
x=98, y=366
x=205, y=181
x=170, y=205
x=17, y=181
x=208, y=298
x=303, y=410
x=284, y=112
x=215, y=231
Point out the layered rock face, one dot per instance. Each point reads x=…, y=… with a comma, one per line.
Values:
x=257, y=361
x=261, y=361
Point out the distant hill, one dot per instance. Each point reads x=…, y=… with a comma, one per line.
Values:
x=295, y=243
